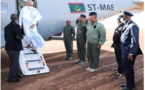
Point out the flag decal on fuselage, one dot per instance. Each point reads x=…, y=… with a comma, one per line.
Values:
x=77, y=7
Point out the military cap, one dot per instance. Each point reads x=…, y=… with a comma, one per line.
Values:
x=82, y=15
x=126, y=13
x=93, y=13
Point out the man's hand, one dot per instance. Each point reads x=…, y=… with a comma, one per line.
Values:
x=21, y=27
x=32, y=26
x=18, y=37
x=71, y=41
x=88, y=18
x=99, y=46
x=130, y=57
x=79, y=18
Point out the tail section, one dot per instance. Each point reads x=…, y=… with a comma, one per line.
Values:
x=140, y=4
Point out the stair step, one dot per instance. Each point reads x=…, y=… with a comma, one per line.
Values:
x=38, y=68
x=32, y=63
x=37, y=60
x=32, y=57
x=30, y=53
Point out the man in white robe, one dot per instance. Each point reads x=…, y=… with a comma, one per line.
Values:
x=29, y=17
x=22, y=3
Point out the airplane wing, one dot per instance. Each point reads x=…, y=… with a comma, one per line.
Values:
x=60, y=36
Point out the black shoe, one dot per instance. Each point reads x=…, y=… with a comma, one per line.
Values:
x=118, y=75
x=77, y=62
x=70, y=58
x=66, y=59
x=81, y=63
x=127, y=88
x=122, y=85
x=13, y=80
x=19, y=76
x=34, y=51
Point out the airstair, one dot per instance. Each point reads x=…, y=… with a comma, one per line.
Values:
x=31, y=63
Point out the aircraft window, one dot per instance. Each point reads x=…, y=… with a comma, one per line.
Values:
x=4, y=8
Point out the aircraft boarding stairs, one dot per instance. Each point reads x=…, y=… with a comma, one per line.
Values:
x=31, y=63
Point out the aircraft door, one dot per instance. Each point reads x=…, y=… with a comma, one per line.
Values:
x=7, y=8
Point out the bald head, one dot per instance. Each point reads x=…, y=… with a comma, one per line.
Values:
x=30, y=3
x=68, y=22
x=14, y=17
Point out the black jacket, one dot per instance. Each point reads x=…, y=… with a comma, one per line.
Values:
x=117, y=35
x=13, y=37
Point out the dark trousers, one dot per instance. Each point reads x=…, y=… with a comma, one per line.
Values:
x=69, y=48
x=118, y=56
x=81, y=50
x=93, y=54
x=128, y=68
x=14, y=64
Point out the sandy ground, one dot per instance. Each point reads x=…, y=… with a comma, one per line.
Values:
x=65, y=75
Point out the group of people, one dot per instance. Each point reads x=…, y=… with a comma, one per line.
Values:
x=89, y=31
x=27, y=20
x=127, y=48
x=92, y=32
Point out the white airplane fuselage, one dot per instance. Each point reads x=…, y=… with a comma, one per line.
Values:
x=56, y=12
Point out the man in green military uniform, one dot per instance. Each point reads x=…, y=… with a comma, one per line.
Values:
x=69, y=35
x=22, y=3
x=96, y=36
x=81, y=40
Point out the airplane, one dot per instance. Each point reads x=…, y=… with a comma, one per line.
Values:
x=56, y=12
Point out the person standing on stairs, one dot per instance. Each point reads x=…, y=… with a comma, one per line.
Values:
x=29, y=17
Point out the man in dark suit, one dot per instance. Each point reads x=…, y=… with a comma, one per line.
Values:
x=130, y=49
x=13, y=46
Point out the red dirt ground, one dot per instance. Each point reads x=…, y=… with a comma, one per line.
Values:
x=65, y=75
